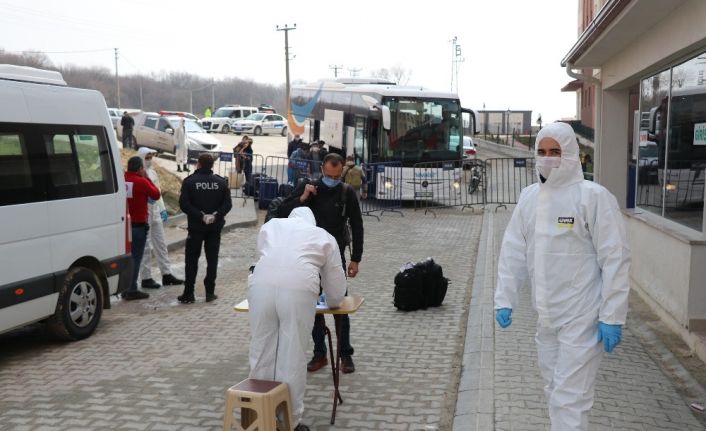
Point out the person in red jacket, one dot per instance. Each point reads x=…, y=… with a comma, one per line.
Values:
x=139, y=190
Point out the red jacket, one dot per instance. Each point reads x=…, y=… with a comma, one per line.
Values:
x=139, y=188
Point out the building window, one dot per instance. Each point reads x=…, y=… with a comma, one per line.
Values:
x=672, y=147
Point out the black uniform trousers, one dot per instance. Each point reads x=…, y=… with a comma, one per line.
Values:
x=211, y=242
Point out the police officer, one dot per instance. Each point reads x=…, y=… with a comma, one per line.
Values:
x=205, y=199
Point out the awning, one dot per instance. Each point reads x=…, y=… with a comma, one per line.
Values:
x=572, y=86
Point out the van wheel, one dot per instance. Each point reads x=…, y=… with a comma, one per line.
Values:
x=79, y=307
x=284, y=131
x=258, y=131
x=225, y=129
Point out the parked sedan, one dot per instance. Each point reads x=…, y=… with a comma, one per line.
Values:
x=156, y=131
x=261, y=124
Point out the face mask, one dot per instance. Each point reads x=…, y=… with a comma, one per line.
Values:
x=546, y=164
x=330, y=182
x=148, y=164
x=350, y=163
x=315, y=150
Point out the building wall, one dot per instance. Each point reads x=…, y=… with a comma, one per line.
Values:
x=668, y=260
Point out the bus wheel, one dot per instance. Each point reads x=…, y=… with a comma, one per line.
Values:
x=79, y=306
x=258, y=131
x=284, y=131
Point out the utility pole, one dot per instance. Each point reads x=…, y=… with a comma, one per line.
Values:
x=142, y=107
x=286, y=30
x=213, y=94
x=117, y=80
x=353, y=71
x=335, y=70
x=456, y=61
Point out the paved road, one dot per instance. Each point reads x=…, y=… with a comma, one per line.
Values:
x=158, y=365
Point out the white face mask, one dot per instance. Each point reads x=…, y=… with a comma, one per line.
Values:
x=148, y=164
x=546, y=164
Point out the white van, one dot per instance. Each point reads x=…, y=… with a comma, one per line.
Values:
x=64, y=228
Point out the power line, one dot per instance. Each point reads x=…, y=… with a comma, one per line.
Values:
x=34, y=51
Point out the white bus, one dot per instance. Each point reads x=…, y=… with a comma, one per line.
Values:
x=64, y=236
x=379, y=121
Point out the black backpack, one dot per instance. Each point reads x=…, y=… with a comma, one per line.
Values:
x=409, y=290
x=420, y=285
x=435, y=284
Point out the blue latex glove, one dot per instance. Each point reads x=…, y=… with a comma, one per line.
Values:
x=164, y=216
x=151, y=201
x=504, y=317
x=610, y=335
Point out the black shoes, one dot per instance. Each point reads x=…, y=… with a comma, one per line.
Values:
x=131, y=295
x=170, y=280
x=148, y=283
x=316, y=363
x=347, y=365
x=301, y=427
x=211, y=297
x=186, y=299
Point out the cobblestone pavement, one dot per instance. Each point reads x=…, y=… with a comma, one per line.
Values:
x=159, y=365
x=501, y=387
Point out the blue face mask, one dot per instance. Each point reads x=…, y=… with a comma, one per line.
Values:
x=330, y=182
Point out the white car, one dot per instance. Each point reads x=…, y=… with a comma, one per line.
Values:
x=469, y=148
x=222, y=119
x=157, y=132
x=261, y=124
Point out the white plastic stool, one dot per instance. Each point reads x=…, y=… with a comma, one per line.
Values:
x=260, y=402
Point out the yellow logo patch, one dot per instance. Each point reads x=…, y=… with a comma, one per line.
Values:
x=566, y=222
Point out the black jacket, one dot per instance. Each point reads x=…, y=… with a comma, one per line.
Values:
x=205, y=193
x=326, y=206
x=127, y=122
x=292, y=146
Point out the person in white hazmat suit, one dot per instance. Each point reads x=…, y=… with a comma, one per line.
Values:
x=181, y=146
x=295, y=258
x=157, y=216
x=568, y=238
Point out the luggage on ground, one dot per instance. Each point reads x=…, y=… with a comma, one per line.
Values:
x=420, y=285
x=268, y=191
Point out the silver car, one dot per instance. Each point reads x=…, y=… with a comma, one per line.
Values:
x=261, y=123
x=157, y=132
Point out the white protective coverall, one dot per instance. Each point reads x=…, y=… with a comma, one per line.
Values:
x=282, y=295
x=155, y=239
x=568, y=238
x=180, y=143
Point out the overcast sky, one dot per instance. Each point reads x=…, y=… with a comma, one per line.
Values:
x=512, y=48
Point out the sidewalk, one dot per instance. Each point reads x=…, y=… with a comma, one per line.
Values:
x=501, y=388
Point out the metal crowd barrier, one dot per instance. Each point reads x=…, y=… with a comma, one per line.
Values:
x=506, y=177
x=383, y=189
x=451, y=183
x=248, y=166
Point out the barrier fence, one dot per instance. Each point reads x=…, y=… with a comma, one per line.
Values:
x=383, y=187
x=240, y=171
x=451, y=183
x=505, y=179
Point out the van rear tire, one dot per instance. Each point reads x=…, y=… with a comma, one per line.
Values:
x=79, y=306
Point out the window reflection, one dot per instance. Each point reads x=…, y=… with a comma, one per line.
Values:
x=672, y=148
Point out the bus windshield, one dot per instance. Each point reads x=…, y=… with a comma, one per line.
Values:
x=423, y=130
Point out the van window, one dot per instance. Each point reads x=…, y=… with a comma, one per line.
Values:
x=62, y=163
x=15, y=175
x=40, y=162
